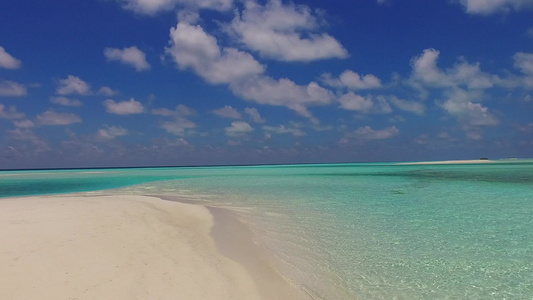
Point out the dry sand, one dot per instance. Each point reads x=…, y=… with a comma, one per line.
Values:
x=448, y=162
x=124, y=247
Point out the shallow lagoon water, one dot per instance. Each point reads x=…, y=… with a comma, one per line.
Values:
x=356, y=231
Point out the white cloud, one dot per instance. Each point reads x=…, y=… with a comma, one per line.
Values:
x=277, y=31
x=282, y=129
x=10, y=113
x=51, y=117
x=65, y=101
x=425, y=68
x=524, y=62
x=254, y=115
x=427, y=73
x=460, y=104
x=29, y=136
x=179, y=127
x=479, y=115
x=283, y=92
x=188, y=16
x=406, y=105
x=367, y=133
x=463, y=87
x=7, y=61
x=111, y=132
x=124, y=108
x=227, y=112
x=457, y=99
x=488, y=7
x=367, y=104
x=180, y=111
x=25, y=124
x=353, y=80
x=470, y=75
x=351, y=101
x=107, y=91
x=238, y=128
x=11, y=88
x=129, y=56
x=73, y=85
x=151, y=7
x=148, y=7
x=191, y=47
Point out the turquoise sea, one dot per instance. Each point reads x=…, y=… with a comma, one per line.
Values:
x=354, y=231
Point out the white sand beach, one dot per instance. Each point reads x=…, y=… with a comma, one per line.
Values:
x=449, y=162
x=126, y=247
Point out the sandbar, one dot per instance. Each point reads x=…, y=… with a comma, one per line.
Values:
x=449, y=162
x=123, y=247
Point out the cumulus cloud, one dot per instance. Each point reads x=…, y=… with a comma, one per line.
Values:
x=351, y=101
x=64, y=101
x=10, y=113
x=11, y=88
x=367, y=104
x=353, y=80
x=524, y=62
x=111, y=132
x=227, y=112
x=180, y=111
x=463, y=88
x=478, y=115
x=192, y=48
x=238, y=128
x=286, y=32
x=254, y=115
x=129, y=107
x=73, y=85
x=151, y=7
x=462, y=105
x=488, y=7
x=107, y=91
x=51, y=117
x=188, y=16
x=7, y=61
x=179, y=126
x=283, y=92
x=27, y=135
x=427, y=73
x=129, y=56
x=409, y=106
x=367, y=133
x=25, y=124
x=282, y=129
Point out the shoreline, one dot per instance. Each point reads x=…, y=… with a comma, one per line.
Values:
x=128, y=246
x=447, y=162
x=230, y=231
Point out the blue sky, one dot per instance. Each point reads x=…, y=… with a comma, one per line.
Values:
x=95, y=83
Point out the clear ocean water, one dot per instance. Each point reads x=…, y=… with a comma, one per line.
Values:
x=355, y=231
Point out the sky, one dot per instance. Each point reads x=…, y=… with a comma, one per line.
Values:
x=112, y=83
